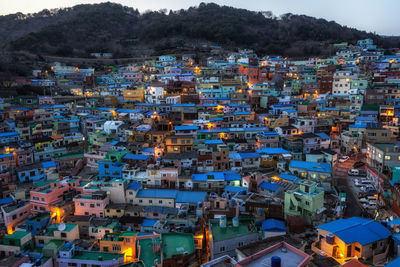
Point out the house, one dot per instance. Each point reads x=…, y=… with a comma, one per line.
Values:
x=14, y=213
x=306, y=201
x=69, y=256
x=94, y=204
x=48, y=193
x=244, y=161
x=8, y=138
x=269, y=189
x=345, y=239
x=312, y=170
x=225, y=238
x=15, y=243
x=214, y=180
x=36, y=224
x=382, y=156
x=124, y=242
x=62, y=231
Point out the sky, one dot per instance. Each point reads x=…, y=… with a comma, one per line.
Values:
x=379, y=16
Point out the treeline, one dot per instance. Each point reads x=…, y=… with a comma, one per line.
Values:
x=109, y=27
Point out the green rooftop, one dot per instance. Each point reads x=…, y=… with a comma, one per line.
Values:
x=17, y=235
x=147, y=254
x=10, y=208
x=94, y=256
x=54, y=244
x=229, y=232
x=129, y=234
x=43, y=183
x=177, y=244
x=54, y=227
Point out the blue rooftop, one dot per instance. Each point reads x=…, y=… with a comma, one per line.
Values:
x=224, y=176
x=136, y=157
x=2, y=156
x=185, y=127
x=323, y=136
x=49, y=164
x=157, y=193
x=310, y=166
x=272, y=151
x=134, y=186
x=272, y=225
x=190, y=197
x=269, y=186
x=149, y=222
x=355, y=229
x=289, y=177
x=213, y=142
x=8, y=134
x=394, y=263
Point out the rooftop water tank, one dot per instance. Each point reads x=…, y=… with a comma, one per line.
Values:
x=235, y=222
x=330, y=239
x=222, y=221
x=275, y=261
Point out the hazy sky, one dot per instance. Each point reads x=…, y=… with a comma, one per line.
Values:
x=380, y=16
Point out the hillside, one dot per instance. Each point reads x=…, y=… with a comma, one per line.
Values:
x=109, y=27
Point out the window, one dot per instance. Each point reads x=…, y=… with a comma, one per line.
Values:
x=140, y=201
x=307, y=203
x=82, y=204
x=222, y=249
x=357, y=249
x=160, y=201
x=63, y=234
x=150, y=201
x=92, y=205
x=105, y=249
x=387, y=157
x=116, y=247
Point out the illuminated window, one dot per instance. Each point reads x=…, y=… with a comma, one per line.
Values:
x=380, y=156
x=387, y=157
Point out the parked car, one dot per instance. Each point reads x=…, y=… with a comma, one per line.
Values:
x=343, y=159
x=367, y=188
x=371, y=198
x=363, y=200
x=353, y=172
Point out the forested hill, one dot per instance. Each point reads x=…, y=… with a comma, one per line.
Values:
x=110, y=27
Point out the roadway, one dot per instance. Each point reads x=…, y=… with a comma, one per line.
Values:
x=353, y=206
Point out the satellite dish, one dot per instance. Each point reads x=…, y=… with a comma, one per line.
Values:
x=61, y=227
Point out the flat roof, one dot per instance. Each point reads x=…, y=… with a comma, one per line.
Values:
x=288, y=257
x=147, y=254
x=94, y=256
x=177, y=244
x=229, y=232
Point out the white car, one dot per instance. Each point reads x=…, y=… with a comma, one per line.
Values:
x=367, y=188
x=343, y=159
x=363, y=201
